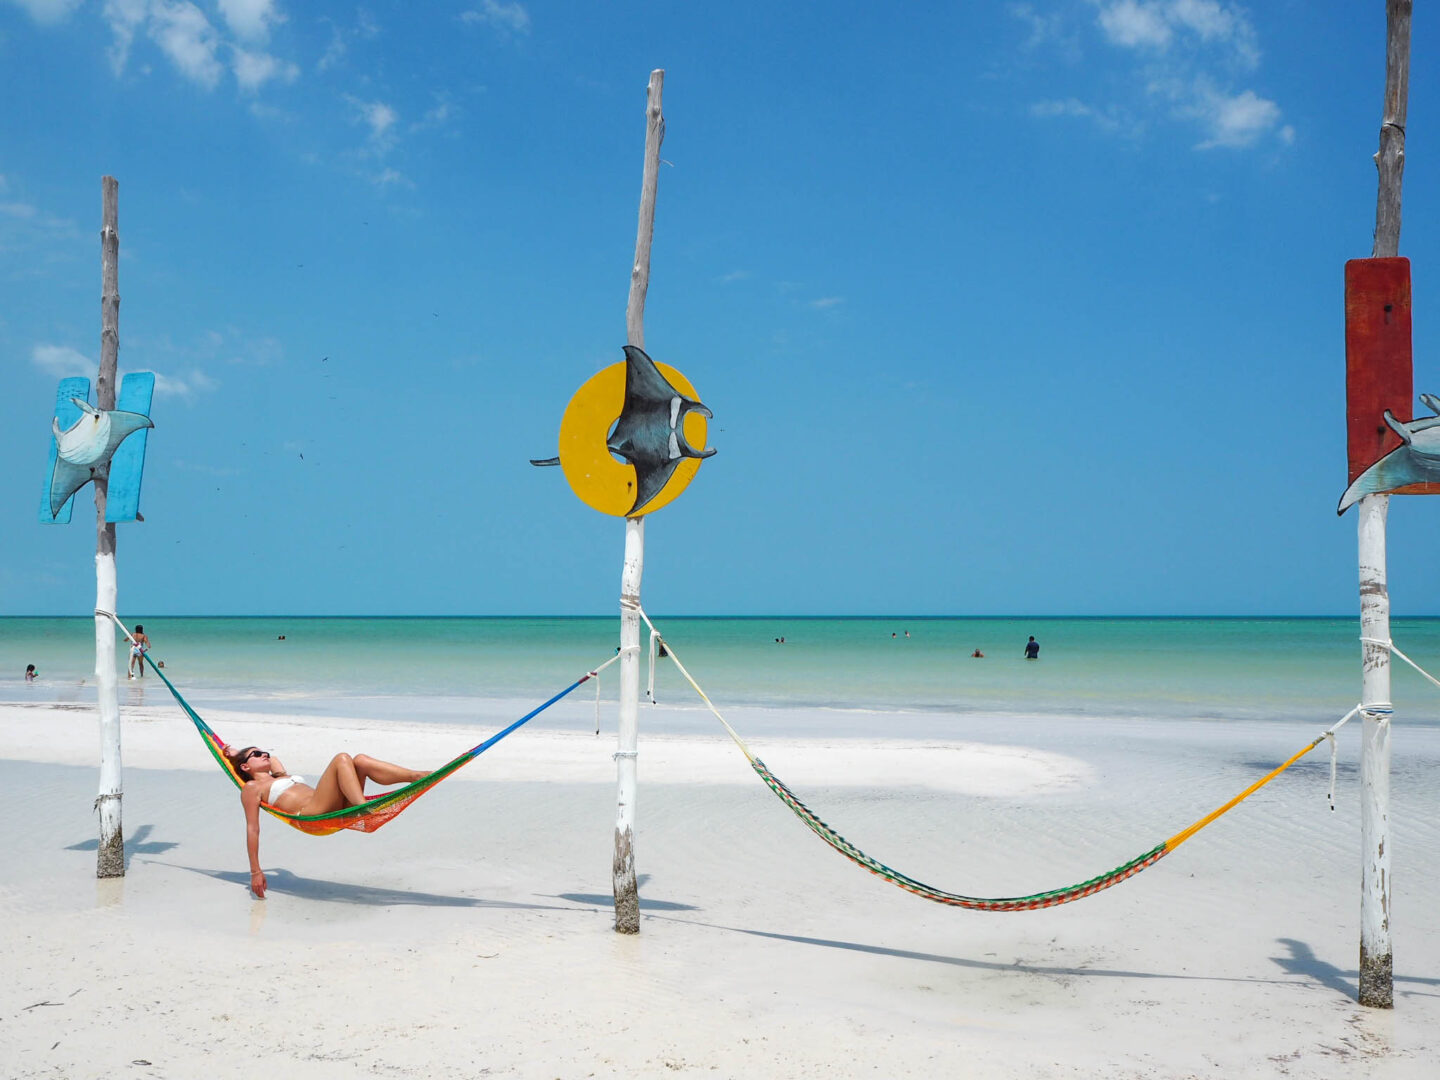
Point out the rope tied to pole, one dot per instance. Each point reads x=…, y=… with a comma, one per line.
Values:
x=1394, y=649
x=619, y=652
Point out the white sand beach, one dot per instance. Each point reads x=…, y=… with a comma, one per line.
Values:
x=472, y=936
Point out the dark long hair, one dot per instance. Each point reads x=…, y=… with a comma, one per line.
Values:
x=237, y=759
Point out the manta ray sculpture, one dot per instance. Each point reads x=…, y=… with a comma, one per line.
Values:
x=1416, y=461
x=86, y=446
x=650, y=432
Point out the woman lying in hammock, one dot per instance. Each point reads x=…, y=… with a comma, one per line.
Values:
x=342, y=784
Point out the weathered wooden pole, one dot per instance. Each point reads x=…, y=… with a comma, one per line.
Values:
x=627, y=896
x=110, y=858
x=1376, y=958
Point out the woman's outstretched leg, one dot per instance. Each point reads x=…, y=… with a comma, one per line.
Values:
x=383, y=772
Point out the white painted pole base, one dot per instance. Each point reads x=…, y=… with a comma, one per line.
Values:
x=1377, y=988
x=627, y=893
x=110, y=858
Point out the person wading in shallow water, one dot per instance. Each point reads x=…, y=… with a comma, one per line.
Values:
x=138, y=648
x=1032, y=649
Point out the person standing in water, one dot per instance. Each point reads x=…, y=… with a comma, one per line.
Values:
x=1032, y=649
x=138, y=648
x=30, y=673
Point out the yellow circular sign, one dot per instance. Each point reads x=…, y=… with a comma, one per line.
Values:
x=593, y=471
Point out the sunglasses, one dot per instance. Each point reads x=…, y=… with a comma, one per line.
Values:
x=253, y=754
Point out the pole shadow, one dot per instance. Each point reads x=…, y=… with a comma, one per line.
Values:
x=1302, y=961
x=606, y=900
x=339, y=892
x=137, y=843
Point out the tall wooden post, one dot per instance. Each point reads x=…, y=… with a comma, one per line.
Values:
x=110, y=858
x=627, y=895
x=1376, y=958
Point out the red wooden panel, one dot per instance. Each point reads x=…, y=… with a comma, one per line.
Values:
x=1378, y=369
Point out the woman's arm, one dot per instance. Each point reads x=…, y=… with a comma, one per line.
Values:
x=277, y=767
x=250, y=799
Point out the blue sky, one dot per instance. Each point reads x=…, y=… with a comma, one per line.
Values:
x=1000, y=308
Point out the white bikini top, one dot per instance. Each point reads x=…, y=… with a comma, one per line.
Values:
x=282, y=785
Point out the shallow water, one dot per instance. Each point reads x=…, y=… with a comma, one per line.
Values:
x=429, y=668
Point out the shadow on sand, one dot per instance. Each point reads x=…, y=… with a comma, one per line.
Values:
x=137, y=843
x=338, y=892
x=1301, y=962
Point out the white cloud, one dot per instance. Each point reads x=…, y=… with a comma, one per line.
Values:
x=826, y=302
x=250, y=20
x=184, y=387
x=381, y=119
x=1068, y=107
x=1236, y=120
x=1187, y=55
x=48, y=12
x=1073, y=108
x=508, y=18
x=185, y=35
x=1213, y=21
x=254, y=69
x=1135, y=25
x=36, y=239
x=1157, y=24
x=392, y=178
x=124, y=17
x=437, y=117
x=1043, y=28
x=193, y=44
x=62, y=362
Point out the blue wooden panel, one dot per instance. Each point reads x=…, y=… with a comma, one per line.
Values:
x=128, y=462
x=66, y=413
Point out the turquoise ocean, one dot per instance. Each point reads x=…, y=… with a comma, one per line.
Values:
x=443, y=669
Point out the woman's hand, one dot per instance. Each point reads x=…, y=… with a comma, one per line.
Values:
x=257, y=883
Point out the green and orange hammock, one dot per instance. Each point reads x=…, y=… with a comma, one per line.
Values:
x=378, y=809
x=1032, y=902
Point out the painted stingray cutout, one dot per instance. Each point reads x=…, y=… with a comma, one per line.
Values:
x=86, y=447
x=1415, y=461
x=650, y=432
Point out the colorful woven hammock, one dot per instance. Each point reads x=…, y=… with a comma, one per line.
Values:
x=1032, y=902
x=378, y=809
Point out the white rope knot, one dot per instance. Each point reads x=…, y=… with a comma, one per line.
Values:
x=624, y=753
x=1379, y=711
x=102, y=798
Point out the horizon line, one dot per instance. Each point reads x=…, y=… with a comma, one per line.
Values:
x=914, y=617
